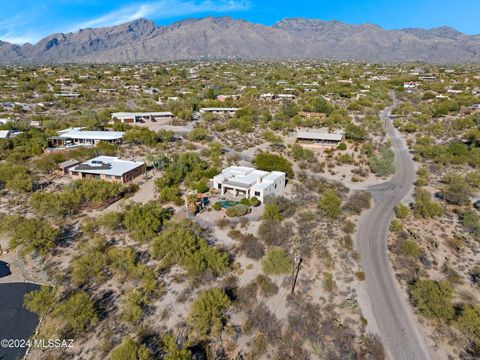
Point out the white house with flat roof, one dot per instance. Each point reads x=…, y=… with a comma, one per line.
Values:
x=108, y=168
x=220, y=110
x=78, y=137
x=249, y=182
x=134, y=117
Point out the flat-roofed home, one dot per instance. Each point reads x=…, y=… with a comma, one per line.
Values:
x=108, y=168
x=74, y=137
x=286, y=96
x=249, y=182
x=226, y=97
x=319, y=138
x=134, y=117
x=220, y=110
x=66, y=165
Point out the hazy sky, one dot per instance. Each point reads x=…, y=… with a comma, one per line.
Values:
x=29, y=20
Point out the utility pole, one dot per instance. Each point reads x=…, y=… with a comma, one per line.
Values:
x=296, y=261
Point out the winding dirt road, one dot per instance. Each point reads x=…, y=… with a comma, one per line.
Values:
x=399, y=332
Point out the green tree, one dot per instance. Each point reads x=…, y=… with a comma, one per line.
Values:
x=330, y=204
x=31, y=234
x=382, y=164
x=208, y=312
x=272, y=162
x=40, y=301
x=78, y=313
x=180, y=244
x=143, y=222
x=433, y=299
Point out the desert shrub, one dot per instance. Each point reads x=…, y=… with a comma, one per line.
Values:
x=200, y=134
x=251, y=246
x=433, y=299
x=133, y=304
x=91, y=264
x=272, y=162
x=77, y=193
x=143, y=222
x=34, y=235
x=169, y=194
x=179, y=244
x=410, y=248
x=358, y=201
x=188, y=167
x=423, y=176
x=259, y=318
x=299, y=153
x=237, y=210
x=382, y=164
x=456, y=191
x=140, y=135
x=217, y=206
x=40, y=301
x=274, y=233
x=208, y=313
x=95, y=190
x=16, y=177
x=330, y=204
x=425, y=206
x=276, y=262
x=329, y=283
x=272, y=212
x=111, y=220
x=475, y=274
x=473, y=179
x=402, y=211
x=254, y=201
x=173, y=351
x=267, y=287
x=355, y=132
x=373, y=348
x=342, y=146
x=470, y=219
x=77, y=313
x=469, y=321
x=287, y=207
x=129, y=349
x=345, y=159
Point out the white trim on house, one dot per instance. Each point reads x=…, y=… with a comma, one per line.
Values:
x=249, y=182
x=133, y=117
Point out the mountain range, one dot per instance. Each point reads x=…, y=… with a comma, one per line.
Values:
x=226, y=38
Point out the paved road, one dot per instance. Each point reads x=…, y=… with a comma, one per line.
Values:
x=15, y=321
x=396, y=327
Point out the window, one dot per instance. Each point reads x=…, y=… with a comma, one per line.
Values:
x=257, y=193
x=219, y=186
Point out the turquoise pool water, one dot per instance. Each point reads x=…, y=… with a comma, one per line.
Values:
x=228, y=203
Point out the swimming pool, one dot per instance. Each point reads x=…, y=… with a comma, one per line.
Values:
x=228, y=203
